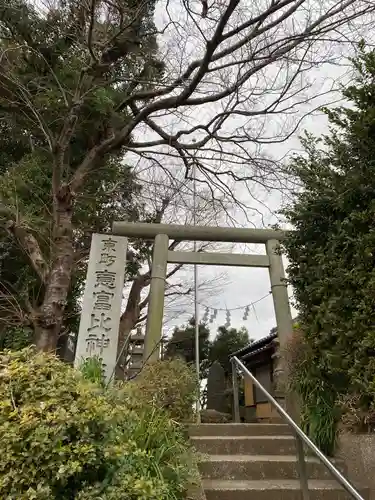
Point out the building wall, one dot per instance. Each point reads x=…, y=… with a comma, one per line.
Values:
x=256, y=402
x=263, y=374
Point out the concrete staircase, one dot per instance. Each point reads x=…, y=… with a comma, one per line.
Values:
x=258, y=462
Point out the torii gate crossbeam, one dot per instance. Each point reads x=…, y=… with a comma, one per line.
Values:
x=162, y=233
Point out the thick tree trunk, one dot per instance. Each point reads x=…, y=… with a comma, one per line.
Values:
x=49, y=317
x=127, y=323
x=132, y=311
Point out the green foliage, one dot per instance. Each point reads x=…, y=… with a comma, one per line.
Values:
x=319, y=412
x=26, y=188
x=169, y=384
x=162, y=463
x=15, y=338
x=13, y=145
x=63, y=437
x=45, y=59
x=331, y=253
x=355, y=418
x=157, y=465
x=57, y=433
x=92, y=370
x=226, y=342
x=182, y=342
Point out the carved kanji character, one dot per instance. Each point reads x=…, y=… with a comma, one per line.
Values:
x=107, y=259
x=109, y=244
x=105, y=278
x=103, y=300
x=99, y=323
x=95, y=343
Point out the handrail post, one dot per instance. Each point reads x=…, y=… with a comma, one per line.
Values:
x=302, y=471
x=236, y=399
x=301, y=435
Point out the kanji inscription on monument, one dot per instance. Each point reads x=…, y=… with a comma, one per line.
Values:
x=101, y=308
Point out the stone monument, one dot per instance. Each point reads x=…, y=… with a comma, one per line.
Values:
x=216, y=386
x=101, y=308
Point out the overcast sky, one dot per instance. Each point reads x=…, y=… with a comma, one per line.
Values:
x=243, y=286
x=248, y=285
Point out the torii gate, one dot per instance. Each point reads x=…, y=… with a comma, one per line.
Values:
x=104, y=342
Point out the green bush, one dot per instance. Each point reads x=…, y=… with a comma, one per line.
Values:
x=65, y=438
x=353, y=417
x=171, y=385
x=319, y=412
x=92, y=370
x=162, y=458
x=331, y=252
x=15, y=338
x=159, y=464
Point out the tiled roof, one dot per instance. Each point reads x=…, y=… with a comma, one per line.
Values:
x=258, y=344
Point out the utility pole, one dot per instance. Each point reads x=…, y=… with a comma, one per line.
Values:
x=196, y=305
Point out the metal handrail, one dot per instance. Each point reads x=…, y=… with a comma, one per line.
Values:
x=299, y=434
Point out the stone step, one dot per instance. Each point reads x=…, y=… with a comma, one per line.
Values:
x=262, y=467
x=274, y=490
x=244, y=445
x=239, y=430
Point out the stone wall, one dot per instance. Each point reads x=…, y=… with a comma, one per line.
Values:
x=358, y=451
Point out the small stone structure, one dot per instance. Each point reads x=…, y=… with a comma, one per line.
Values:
x=135, y=354
x=216, y=386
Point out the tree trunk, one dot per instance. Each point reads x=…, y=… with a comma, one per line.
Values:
x=132, y=311
x=49, y=317
x=127, y=323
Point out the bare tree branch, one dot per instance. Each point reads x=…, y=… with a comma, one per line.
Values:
x=278, y=35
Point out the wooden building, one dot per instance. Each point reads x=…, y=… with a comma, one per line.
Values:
x=259, y=359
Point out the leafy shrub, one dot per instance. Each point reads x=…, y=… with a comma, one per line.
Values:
x=57, y=432
x=170, y=385
x=65, y=438
x=319, y=411
x=164, y=454
x=331, y=251
x=16, y=338
x=354, y=417
x=92, y=370
x=158, y=465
